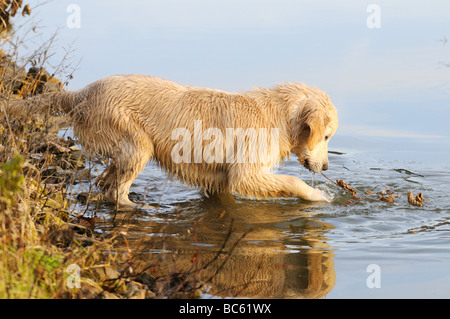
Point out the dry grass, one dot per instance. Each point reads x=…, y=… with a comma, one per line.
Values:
x=39, y=235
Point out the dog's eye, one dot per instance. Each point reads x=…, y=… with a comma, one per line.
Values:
x=327, y=137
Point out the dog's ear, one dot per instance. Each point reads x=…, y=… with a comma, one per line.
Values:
x=314, y=121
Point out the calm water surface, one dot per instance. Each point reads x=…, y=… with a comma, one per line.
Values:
x=287, y=248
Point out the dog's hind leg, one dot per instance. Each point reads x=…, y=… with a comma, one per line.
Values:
x=122, y=171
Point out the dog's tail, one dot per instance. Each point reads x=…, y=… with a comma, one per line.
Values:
x=53, y=103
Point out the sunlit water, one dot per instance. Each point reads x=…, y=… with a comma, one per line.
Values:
x=286, y=248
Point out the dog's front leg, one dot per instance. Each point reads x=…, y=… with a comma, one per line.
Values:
x=301, y=190
x=272, y=185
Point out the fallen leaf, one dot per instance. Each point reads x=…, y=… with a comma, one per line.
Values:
x=417, y=201
x=84, y=223
x=389, y=199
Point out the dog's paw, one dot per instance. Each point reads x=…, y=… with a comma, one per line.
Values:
x=325, y=196
x=320, y=195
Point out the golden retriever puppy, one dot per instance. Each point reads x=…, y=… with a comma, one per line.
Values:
x=218, y=141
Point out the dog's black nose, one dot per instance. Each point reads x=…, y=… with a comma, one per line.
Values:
x=325, y=167
x=306, y=163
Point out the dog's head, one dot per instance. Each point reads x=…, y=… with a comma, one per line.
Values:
x=313, y=121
